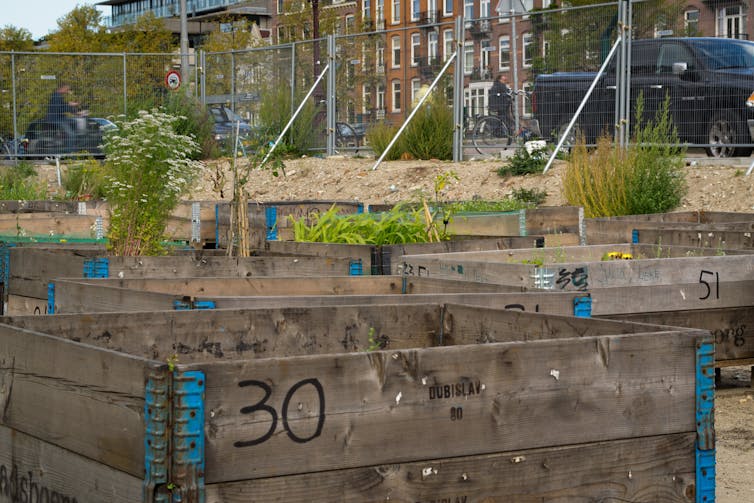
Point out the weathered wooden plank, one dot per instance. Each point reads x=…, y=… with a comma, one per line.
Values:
x=496, y=224
x=660, y=468
x=33, y=470
x=32, y=269
x=307, y=414
x=48, y=224
x=544, y=269
x=733, y=328
x=710, y=237
x=554, y=220
x=85, y=399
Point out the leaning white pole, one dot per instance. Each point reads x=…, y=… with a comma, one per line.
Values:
x=564, y=135
x=416, y=109
x=295, y=114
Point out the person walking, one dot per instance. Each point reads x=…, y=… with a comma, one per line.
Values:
x=59, y=108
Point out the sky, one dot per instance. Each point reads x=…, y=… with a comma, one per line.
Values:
x=39, y=16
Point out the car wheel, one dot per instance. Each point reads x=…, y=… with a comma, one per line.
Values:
x=723, y=134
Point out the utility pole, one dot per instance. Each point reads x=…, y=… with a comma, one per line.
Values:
x=184, y=47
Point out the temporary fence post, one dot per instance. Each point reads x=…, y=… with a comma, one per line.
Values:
x=331, y=112
x=458, y=93
x=125, y=84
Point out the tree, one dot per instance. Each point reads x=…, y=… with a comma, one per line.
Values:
x=148, y=34
x=81, y=30
x=15, y=39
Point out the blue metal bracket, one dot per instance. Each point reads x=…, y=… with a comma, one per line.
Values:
x=705, y=420
x=360, y=208
x=271, y=221
x=355, y=268
x=582, y=306
x=188, y=303
x=97, y=268
x=50, y=298
x=156, y=439
x=635, y=236
x=187, y=463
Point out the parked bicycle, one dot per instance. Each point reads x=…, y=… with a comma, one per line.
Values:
x=496, y=131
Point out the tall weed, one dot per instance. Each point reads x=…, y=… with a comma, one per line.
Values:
x=379, y=137
x=429, y=135
x=646, y=177
x=19, y=183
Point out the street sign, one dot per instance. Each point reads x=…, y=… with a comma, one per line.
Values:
x=173, y=79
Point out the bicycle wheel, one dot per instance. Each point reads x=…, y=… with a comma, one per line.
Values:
x=490, y=132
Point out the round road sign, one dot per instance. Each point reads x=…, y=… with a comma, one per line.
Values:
x=173, y=79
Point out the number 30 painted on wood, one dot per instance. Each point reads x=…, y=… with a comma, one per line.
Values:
x=261, y=405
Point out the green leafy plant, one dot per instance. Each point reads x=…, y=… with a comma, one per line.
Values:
x=19, y=182
x=429, y=135
x=524, y=163
x=275, y=111
x=148, y=169
x=391, y=227
x=379, y=137
x=529, y=197
x=192, y=120
x=84, y=180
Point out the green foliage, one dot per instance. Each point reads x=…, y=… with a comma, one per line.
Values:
x=192, y=120
x=392, y=227
x=524, y=163
x=647, y=177
x=478, y=206
x=19, y=182
x=275, y=112
x=15, y=39
x=84, y=180
x=379, y=137
x=429, y=135
x=81, y=30
x=148, y=169
x=529, y=197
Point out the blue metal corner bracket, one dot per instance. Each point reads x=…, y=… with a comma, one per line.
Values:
x=187, y=464
x=355, y=268
x=271, y=220
x=635, y=236
x=582, y=306
x=705, y=420
x=156, y=441
x=50, y=298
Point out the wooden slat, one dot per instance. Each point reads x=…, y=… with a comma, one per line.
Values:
x=538, y=394
x=48, y=224
x=647, y=469
x=710, y=237
x=733, y=328
x=553, y=220
x=84, y=399
x=502, y=224
x=46, y=472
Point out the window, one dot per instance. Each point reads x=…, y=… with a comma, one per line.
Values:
x=380, y=98
x=447, y=43
x=504, y=53
x=468, y=58
x=366, y=9
x=396, y=45
x=528, y=49
x=366, y=99
x=396, y=14
x=416, y=86
x=691, y=22
x=731, y=21
x=546, y=4
x=415, y=48
x=484, y=8
x=281, y=8
x=447, y=8
x=468, y=9
x=350, y=23
x=673, y=53
x=396, y=95
x=484, y=57
x=379, y=55
x=432, y=45
x=415, y=8
x=475, y=99
x=379, y=8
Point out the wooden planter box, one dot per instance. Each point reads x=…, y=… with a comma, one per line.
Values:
x=621, y=229
x=461, y=403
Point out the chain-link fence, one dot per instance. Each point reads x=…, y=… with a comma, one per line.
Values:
x=549, y=58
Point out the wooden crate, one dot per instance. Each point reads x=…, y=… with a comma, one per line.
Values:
x=721, y=236
x=28, y=271
x=108, y=295
x=620, y=229
x=462, y=403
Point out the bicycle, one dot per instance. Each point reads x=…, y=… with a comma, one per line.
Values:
x=494, y=131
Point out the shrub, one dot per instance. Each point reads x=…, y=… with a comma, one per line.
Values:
x=19, y=182
x=194, y=121
x=646, y=177
x=275, y=112
x=429, y=135
x=85, y=180
x=148, y=169
x=379, y=137
x=524, y=163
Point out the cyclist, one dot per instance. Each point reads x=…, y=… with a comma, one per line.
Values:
x=500, y=99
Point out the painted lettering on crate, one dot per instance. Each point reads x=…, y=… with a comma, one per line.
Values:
x=462, y=389
x=734, y=334
x=450, y=499
x=410, y=270
x=711, y=291
x=21, y=488
x=520, y=307
x=577, y=278
x=262, y=407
